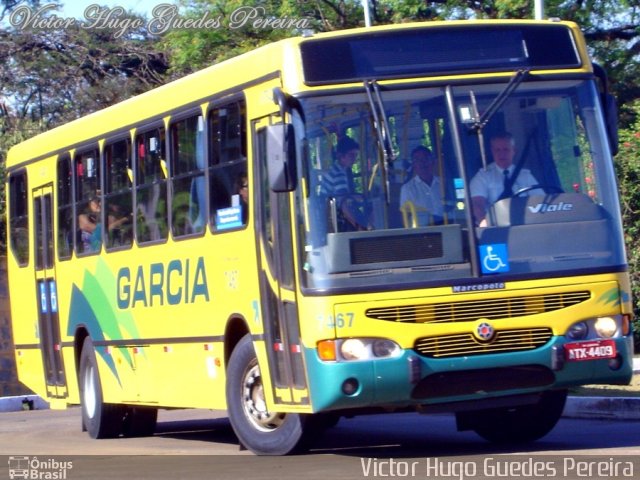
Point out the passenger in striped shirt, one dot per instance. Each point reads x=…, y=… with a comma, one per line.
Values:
x=337, y=183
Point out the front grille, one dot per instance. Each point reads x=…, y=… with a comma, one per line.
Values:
x=472, y=310
x=465, y=344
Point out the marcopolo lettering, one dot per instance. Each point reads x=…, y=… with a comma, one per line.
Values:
x=172, y=283
x=478, y=287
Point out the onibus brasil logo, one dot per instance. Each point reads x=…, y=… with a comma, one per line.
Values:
x=38, y=469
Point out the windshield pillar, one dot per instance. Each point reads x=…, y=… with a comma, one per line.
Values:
x=459, y=155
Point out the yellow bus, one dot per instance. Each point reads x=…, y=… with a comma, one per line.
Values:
x=322, y=227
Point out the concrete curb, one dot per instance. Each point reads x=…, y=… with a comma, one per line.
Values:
x=22, y=402
x=618, y=408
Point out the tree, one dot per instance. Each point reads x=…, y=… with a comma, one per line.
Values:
x=54, y=75
x=243, y=25
x=628, y=171
x=49, y=76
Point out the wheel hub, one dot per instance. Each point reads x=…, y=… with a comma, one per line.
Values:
x=254, y=403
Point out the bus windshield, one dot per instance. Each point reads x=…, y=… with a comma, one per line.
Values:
x=421, y=186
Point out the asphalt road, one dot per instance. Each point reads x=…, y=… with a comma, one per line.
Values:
x=201, y=444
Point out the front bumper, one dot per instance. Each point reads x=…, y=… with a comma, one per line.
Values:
x=412, y=380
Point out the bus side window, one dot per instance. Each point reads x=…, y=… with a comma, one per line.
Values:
x=66, y=229
x=118, y=193
x=151, y=186
x=18, y=217
x=188, y=203
x=228, y=177
x=87, y=177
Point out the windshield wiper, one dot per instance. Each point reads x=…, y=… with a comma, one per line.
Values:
x=502, y=97
x=480, y=121
x=383, y=133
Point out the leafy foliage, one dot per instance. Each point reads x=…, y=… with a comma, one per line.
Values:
x=243, y=25
x=628, y=170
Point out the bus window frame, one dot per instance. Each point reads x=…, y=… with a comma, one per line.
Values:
x=172, y=176
x=11, y=213
x=79, y=198
x=107, y=194
x=70, y=237
x=238, y=165
x=142, y=131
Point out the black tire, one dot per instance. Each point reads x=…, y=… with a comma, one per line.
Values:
x=261, y=431
x=140, y=421
x=521, y=424
x=99, y=419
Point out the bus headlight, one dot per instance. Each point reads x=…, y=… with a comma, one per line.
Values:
x=578, y=331
x=599, y=327
x=385, y=348
x=354, y=349
x=606, y=327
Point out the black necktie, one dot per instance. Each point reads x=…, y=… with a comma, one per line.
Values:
x=507, y=191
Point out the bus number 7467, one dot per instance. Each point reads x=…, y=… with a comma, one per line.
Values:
x=342, y=320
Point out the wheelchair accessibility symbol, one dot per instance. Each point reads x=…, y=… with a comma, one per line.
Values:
x=494, y=258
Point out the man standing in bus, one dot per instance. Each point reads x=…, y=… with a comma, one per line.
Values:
x=497, y=180
x=424, y=190
x=337, y=183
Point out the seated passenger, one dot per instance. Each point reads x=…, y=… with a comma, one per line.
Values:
x=88, y=224
x=90, y=227
x=423, y=190
x=337, y=183
x=242, y=190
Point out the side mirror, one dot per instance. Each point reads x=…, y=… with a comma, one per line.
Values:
x=281, y=157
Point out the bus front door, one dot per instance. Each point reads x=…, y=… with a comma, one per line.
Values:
x=277, y=283
x=46, y=289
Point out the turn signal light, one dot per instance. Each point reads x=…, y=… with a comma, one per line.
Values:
x=327, y=350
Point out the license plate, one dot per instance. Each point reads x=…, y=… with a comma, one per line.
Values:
x=595, y=350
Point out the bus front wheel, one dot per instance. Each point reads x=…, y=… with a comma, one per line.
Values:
x=261, y=431
x=519, y=424
x=99, y=419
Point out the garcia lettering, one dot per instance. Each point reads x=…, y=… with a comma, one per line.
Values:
x=173, y=283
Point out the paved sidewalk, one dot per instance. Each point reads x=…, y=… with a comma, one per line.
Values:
x=620, y=408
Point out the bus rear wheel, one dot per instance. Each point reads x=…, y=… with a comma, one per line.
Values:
x=520, y=424
x=99, y=419
x=261, y=431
